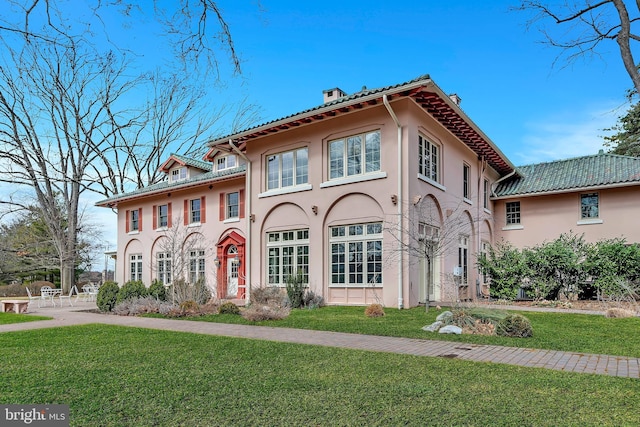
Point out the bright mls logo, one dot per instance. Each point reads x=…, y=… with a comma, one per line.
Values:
x=34, y=415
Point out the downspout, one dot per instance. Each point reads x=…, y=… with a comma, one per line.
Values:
x=400, y=219
x=247, y=201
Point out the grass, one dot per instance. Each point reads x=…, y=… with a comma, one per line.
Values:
x=6, y=318
x=117, y=376
x=555, y=331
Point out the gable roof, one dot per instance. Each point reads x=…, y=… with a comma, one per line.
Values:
x=421, y=89
x=587, y=172
x=184, y=161
x=166, y=185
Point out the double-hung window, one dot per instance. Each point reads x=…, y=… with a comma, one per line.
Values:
x=233, y=205
x=288, y=169
x=428, y=159
x=485, y=198
x=354, y=155
x=194, y=211
x=589, y=206
x=356, y=254
x=133, y=220
x=163, y=215
x=196, y=266
x=513, y=213
x=287, y=256
x=466, y=180
x=163, y=260
x=135, y=267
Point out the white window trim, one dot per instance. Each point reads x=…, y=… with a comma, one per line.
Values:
x=364, y=238
x=194, y=224
x=354, y=178
x=432, y=182
x=589, y=221
x=230, y=220
x=133, y=232
x=295, y=170
x=162, y=228
x=468, y=201
x=513, y=227
x=285, y=190
x=226, y=162
x=488, y=211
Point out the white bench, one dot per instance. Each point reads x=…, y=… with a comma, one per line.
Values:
x=15, y=305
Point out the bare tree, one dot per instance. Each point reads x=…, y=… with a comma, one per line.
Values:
x=79, y=112
x=586, y=24
x=429, y=232
x=177, y=262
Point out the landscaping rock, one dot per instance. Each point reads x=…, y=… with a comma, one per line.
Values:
x=450, y=329
x=444, y=317
x=433, y=327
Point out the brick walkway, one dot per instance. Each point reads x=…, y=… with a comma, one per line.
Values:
x=535, y=358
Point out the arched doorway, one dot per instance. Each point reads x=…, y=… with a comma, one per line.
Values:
x=231, y=266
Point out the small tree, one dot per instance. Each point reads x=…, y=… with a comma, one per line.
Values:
x=614, y=267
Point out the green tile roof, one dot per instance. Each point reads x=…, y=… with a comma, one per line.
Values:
x=199, y=164
x=166, y=185
x=598, y=170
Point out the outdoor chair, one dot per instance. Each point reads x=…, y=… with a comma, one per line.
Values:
x=31, y=297
x=69, y=295
x=46, y=294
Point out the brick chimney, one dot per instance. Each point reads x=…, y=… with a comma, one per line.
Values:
x=333, y=94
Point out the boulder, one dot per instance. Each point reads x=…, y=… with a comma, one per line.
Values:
x=450, y=329
x=445, y=316
x=433, y=327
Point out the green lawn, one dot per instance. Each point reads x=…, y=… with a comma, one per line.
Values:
x=6, y=318
x=557, y=331
x=116, y=376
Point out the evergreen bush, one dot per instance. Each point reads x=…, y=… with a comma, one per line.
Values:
x=107, y=296
x=132, y=289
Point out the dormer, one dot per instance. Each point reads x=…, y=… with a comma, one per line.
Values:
x=181, y=168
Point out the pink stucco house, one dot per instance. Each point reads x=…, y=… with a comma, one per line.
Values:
x=386, y=195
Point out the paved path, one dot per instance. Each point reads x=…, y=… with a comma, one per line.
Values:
x=549, y=359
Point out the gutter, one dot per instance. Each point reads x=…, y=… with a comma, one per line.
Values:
x=400, y=219
x=247, y=268
x=495, y=184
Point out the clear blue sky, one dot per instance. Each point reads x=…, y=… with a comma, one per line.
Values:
x=293, y=50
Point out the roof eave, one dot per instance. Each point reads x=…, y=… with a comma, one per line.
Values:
x=568, y=190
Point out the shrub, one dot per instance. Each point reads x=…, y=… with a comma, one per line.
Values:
x=15, y=290
x=374, y=310
x=137, y=306
x=189, y=307
x=295, y=290
x=619, y=313
x=132, y=289
x=107, y=296
x=514, y=325
x=158, y=291
x=258, y=312
x=229, y=308
x=268, y=295
x=185, y=291
x=312, y=300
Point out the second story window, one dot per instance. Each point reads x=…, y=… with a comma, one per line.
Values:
x=163, y=215
x=179, y=174
x=589, y=206
x=428, y=159
x=133, y=220
x=226, y=162
x=233, y=205
x=354, y=155
x=513, y=213
x=466, y=180
x=486, y=194
x=194, y=211
x=288, y=169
